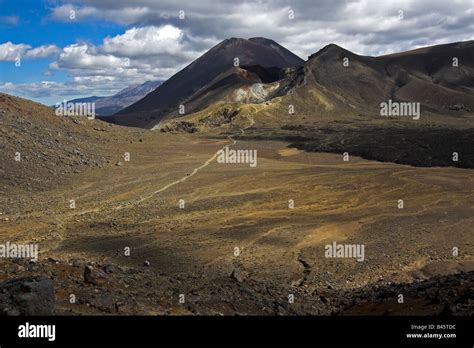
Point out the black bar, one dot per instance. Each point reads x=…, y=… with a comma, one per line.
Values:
x=240, y=330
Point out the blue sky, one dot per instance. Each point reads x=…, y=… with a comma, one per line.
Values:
x=30, y=22
x=110, y=44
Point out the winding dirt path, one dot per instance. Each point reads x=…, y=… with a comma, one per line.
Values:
x=65, y=219
x=194, y=172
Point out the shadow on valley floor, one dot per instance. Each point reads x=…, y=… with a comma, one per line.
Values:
x=420, y=147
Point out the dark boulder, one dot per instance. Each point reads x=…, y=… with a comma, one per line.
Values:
x=27, y=296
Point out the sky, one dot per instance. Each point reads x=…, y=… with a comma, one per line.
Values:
x=53, y=50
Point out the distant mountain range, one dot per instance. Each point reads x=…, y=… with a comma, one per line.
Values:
x=105, y=106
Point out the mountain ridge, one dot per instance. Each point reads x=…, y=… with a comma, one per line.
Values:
x=199, y=73
x=341, y=80
x=108, y=105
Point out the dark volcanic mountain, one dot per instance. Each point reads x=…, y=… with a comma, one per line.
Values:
x=425, y=75
x=334, y=82
x=338, y=106
x=214, y=69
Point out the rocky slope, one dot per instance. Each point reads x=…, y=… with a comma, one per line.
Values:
x=107, y=289
x=38, y=147
x=40, y=150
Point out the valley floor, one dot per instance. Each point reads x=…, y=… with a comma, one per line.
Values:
x=236, y=247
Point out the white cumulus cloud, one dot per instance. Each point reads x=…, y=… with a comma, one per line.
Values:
x=42, y=51
x=10, y=51
x=137, y=55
